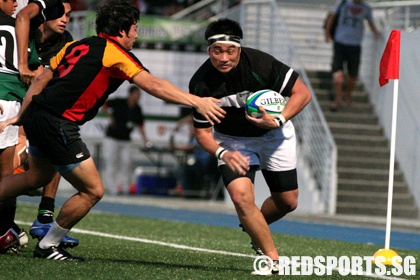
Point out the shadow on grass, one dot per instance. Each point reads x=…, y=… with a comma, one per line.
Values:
x=167, y=265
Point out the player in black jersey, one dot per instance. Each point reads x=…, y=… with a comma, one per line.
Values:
x=27, y=21
x=244, y=144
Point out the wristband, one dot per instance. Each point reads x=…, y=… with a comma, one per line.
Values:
x=219, y=152
x=280, y=120
x=222, y=153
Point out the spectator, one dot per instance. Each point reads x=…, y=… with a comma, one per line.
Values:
x=347, y=45
x=124, y=114
x=198, y=174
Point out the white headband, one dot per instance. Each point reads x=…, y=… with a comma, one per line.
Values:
x=224, y=39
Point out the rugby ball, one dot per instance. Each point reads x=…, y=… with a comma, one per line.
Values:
x=272, y=101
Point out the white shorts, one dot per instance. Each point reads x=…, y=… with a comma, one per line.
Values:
x=9, y=137
x=274, y=151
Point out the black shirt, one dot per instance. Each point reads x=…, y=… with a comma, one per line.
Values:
x=51, y=46
x=126, y=119
x=255, y=71
x=49, y=10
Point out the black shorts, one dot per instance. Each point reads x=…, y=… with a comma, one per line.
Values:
x=58, y=139
x=277, y=181
x=348, y=54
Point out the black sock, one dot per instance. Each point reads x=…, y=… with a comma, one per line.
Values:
x=7, y=216
x=46, y=210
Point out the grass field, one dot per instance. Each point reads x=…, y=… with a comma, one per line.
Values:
x=121, y=247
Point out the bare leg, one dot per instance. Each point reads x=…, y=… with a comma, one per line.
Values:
x=278, y=205
x=351, y=81
x=338, y=80
x=6, y=161
x=241, y=192
x=39, y=174
x=85, y=178
x=13, y=185
x=50, y=190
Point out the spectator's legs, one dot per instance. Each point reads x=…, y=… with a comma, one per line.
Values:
x=125, y=166
x=110, y=154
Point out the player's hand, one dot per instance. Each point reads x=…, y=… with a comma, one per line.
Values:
x=26, y=75
x=6, y=123
x=148, y=144
x=207, y=106
x=266, y=121
x=236, y=162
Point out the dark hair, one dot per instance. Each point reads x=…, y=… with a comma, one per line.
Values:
x=67, y=1
x=114, y=16
x=132, y=89
x=223, y=26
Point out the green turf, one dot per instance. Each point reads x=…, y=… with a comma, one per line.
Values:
x=112, y=258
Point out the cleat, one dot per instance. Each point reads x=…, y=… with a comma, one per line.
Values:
x=268, y=269
x=22, y=242
x=8, y=241
x=257, y=249
x=23, y=238
x=55, y=253
x=39, y=230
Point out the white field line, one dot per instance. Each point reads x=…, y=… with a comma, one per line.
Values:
x=184, y=247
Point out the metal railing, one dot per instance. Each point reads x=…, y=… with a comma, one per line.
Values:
x=403, y=15
x=205, y=9
x=400, y=14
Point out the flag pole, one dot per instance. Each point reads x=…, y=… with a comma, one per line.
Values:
x=389, y=70
x=391, y=165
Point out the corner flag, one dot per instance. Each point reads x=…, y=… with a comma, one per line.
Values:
x=389, y=70
x=390, y=61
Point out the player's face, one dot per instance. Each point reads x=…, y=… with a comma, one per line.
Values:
x=224, y=57
x=127, y=40
x=59, y=25
x=8, y=7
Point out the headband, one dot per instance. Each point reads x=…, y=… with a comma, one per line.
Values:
x=224, y=39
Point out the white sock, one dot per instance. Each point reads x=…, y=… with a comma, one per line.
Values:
x=53, y=237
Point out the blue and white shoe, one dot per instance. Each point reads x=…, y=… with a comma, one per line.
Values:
x=39, y=230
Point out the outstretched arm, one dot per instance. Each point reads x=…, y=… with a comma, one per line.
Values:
x=165, y=90
x=38, y=84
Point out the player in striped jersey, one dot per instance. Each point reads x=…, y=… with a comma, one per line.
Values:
x=68, y=94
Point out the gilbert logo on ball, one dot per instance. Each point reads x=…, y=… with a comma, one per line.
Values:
x=272, y=101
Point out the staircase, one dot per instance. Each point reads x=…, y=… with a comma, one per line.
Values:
x=363, y=150
x=363, y=156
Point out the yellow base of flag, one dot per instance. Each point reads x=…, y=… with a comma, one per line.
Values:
x=387, y=255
